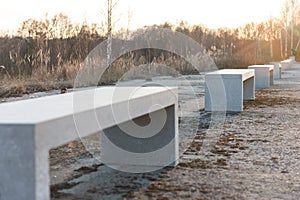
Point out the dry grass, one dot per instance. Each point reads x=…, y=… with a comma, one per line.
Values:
x=64, y=76
x=39, y=81
x=124, y=68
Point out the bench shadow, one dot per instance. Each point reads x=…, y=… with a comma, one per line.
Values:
x=105, y=183
x=98, y=181
x=206, y=118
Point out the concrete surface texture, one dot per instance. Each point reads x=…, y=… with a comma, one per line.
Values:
x=225, y=90
x=27, y=133
x=256, y=156
x=277, y=69
x=264, y=75
x=288, y=63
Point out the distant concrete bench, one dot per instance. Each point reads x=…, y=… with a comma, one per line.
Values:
x=287, y=64
x=277, y=70
x=264, y=75
x=293, y=59
x=30, y=128
x=225, y=90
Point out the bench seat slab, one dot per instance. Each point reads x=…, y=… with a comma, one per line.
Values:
x=30, y=128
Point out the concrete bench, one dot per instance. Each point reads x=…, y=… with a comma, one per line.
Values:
x=30, y=128
x=264, y=75
x=293, y=59
x=225, y=90
x=287, y=64
x=277, y=69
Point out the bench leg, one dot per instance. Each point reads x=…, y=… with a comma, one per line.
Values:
x=249, y=89
x=223, y=95
x=277, y=71
x=24, y=170
x=262, y=78
x=128, y=151
x=280, y=73
x=272, y=77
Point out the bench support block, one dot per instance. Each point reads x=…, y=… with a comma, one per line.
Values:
x=264, y=75
x=27, y=134
x=25, y=165
x=228, y=94
x=124, y=150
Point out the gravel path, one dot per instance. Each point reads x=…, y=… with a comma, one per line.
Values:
x=255, y=155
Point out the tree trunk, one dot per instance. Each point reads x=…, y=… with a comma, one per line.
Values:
x=271, y=38
x=281, y=45
x=293, y=5
x=109, y=29
x=271, y=47
x=259, y=53
x=286, y=41
x=292, y=41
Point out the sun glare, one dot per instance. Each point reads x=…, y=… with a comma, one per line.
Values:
x=212, y=13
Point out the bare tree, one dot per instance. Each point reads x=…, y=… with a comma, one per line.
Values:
x=129, y=18
x=293, y=8
x=278, y=24
x=109, y=28
x=110, y=6
x=270, y=28
x=285, y=18
x=260, y=30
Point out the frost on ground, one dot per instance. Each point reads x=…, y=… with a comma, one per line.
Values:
x=254, y=154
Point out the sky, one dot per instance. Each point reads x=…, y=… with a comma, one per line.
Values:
x=211, y=13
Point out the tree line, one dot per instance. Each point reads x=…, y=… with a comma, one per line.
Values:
x=51, y=46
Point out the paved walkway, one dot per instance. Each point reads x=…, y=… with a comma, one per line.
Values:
x=250, y=155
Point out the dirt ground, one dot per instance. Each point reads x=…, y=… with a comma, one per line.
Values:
x=255, y=155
